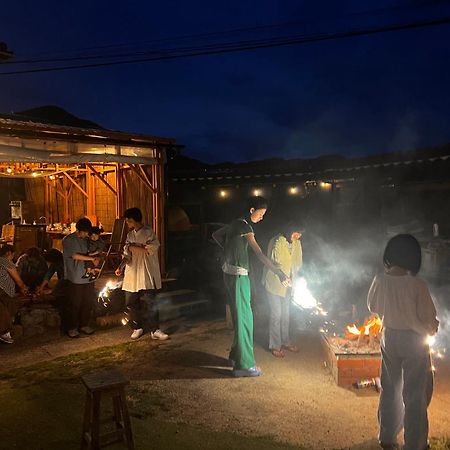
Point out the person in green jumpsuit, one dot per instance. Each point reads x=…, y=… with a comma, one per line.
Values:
x=235, y=239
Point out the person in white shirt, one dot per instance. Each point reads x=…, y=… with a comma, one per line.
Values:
x=142, y=277
x=404, y=303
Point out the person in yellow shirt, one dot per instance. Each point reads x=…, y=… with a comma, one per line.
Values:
x=285, y=250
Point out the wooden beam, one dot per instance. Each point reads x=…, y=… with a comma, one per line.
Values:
x=102, y=179
x=141, y=177
x=145, y=175
x=76, y=184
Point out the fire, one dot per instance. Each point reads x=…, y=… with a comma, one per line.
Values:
x=372, y=326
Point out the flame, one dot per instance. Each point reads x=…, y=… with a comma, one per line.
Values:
x=372, y=326
x=353, y=329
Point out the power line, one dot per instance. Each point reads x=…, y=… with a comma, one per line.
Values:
x=233, y=47
x=216, y=34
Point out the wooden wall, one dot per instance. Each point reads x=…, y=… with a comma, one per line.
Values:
x=135, y=194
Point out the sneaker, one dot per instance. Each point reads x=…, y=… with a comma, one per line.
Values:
x=87, y=330
x=137, y=333
x=73, y=333
x=252, y=372
x=7, y=338
x=394, y=446
x=159, y=335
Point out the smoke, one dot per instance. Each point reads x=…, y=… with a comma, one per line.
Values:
x=441, y=296
x=339, y=269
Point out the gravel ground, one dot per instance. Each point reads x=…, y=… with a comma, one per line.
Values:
x=295, y=401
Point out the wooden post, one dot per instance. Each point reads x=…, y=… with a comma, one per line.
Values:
x=90, y=190
x=119, y=190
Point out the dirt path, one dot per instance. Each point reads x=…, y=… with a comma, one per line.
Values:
x=295, y=401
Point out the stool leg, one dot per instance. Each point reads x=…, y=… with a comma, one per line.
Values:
x=96, y=421
x=118, y=420
x=126, y=421
x=86, y=433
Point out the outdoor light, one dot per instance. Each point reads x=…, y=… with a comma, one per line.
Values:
x=293, y=190
x=256, y=192
x=325, y=186
x=223, y=194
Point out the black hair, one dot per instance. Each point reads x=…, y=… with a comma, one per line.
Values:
x=257, y=203
x=403, y=251
x=96, y=230
x=84, y=224
x=289, y=228
x=6, y=248
x=133, y=213
x=53, y=256
x=34, y=253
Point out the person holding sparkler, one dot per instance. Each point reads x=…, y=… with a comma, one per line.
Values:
x=404, y=303
x=142, y=275
x=285, y=250
x=235, y=240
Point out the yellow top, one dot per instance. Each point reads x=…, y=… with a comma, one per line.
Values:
x=288, y=257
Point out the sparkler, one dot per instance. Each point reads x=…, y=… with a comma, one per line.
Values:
x=434, y=353
x=304, y=299
x=103, y=296
x=301, y=294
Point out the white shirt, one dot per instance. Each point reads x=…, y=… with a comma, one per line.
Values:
x=142, y=269
x=403, y=303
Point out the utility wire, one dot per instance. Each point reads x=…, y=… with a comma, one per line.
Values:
x=51, y=57
x=232, y=47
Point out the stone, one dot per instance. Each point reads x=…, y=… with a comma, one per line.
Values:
x=17, y=331
x=33, y=330
x=53, y=319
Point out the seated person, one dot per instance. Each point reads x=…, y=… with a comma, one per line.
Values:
x=96, y=247
x=9, y=278
x=32, y=268
x=55, y=264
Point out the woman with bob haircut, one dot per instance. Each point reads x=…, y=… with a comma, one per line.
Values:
x=404, y=303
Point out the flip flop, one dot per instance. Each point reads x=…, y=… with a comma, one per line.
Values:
x=278, y=353
x=291, y=348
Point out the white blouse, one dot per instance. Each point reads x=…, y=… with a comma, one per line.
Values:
x=142, y=269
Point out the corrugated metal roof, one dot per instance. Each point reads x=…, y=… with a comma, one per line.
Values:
x=45, y=131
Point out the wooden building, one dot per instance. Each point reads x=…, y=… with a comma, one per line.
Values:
x=71, y=172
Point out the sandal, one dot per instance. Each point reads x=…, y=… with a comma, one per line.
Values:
x=291, y=348
x=277, y=353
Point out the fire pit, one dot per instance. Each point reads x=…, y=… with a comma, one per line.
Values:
x=355, y=356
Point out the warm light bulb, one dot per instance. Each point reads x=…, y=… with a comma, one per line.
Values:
x=34, y=174
x=257, y=192
x=223, y=194
x=9, y=170
x=293, y=190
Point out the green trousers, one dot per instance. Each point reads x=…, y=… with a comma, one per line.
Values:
x=239, y=295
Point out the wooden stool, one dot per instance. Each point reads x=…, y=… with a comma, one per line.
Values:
x=112, y=383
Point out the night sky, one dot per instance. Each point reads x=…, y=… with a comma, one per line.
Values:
x=353, y=96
